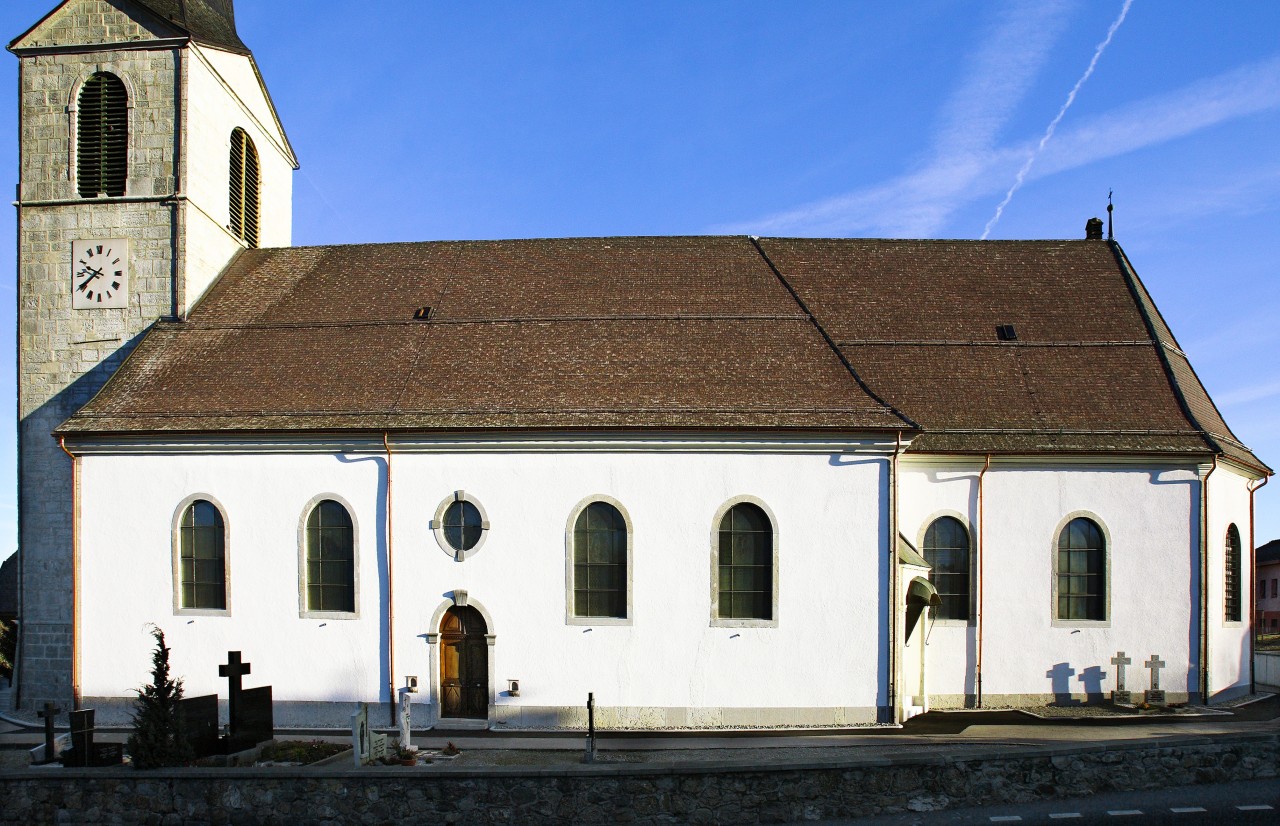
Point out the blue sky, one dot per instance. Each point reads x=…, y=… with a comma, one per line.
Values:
x=420, y=120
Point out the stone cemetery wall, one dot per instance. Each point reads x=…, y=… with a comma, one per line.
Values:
x=631, y=794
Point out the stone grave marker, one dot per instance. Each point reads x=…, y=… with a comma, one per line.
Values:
x=200, y=722
x=405, y=718
x=84, y=752
x=249, y=709
x=255, y=722
x=1155, y=695
x=49, y=713
x=367, y=745
x=1121, y=696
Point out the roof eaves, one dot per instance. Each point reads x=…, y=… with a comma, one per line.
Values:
x=1145, y=309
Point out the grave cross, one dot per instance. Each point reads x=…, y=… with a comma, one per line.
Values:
x=233, y=671
x=48, y=714
x=1120, y=661
x=1155, y=664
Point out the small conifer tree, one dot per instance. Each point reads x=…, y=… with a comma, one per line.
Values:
x=158, y=739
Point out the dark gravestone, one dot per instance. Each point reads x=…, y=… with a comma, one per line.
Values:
x=49, y=714
x=81, y=739
x=84, y=752
x=234, y=669
x=255, y=723
x=200, y=722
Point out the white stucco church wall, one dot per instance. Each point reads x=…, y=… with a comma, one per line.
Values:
x=667, y=665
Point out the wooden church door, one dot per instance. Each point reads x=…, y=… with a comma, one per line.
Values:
x=464, y=664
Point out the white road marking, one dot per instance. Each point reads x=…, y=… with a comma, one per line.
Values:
x=1257, y=807
x=1005, y=818
x=1123, y=812
x=1186, y=810
x=1057, y=815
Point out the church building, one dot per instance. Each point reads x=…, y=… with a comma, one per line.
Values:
x=715, y=482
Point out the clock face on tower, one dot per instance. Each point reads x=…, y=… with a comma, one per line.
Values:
x=100, y=274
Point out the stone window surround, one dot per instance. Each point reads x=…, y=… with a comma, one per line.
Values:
x=73, y=139
x=1105, y=622
x=176, y=542
x=716, y=620
x=303, y=611
x=973, y=562
x=570, y=618
x=437, y=526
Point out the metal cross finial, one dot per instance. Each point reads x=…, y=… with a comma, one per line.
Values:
x=1120, y=661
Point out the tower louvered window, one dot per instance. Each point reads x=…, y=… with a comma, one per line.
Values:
x=102, y=139
x=244, y=188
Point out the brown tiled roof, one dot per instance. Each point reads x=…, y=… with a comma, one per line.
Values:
x=679, y=333
x=207, y=21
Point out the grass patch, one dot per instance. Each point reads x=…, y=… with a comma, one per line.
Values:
x=300, y=751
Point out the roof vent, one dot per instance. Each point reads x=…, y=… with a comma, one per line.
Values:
x=1093, y=229
x=422, y=314
x=1006, y=332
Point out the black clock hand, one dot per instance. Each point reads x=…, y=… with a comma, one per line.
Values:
x=93, y=274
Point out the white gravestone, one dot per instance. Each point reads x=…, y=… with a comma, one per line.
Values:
x=406, y=718
x=367, y=746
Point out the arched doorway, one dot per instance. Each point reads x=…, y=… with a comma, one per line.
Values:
x=464, y=664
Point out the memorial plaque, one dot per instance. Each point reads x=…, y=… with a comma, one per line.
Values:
x=200, y=723
x=107, y=754
x=1122, y=698
x=1155, y=697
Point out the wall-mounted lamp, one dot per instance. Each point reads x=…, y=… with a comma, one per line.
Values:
x=513, y=688
x=411, y=683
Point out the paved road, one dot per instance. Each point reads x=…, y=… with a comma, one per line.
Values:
x=1245, y=802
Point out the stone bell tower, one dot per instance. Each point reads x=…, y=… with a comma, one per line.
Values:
x=150, y=156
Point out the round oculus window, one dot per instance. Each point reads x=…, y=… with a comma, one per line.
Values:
x=463, y=525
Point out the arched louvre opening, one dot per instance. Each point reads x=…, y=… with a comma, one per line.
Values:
x=245, y=177
x=102, y=137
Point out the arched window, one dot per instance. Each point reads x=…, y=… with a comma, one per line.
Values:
x=1231, y=578
x=745, y=570
x=1082, y=571
x=946, y=549
x=102, y=137
x=600, y=562
x=245, y=177
x=203, y=555
x=331, y=570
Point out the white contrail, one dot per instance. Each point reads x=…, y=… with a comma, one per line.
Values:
x=1048, y=133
